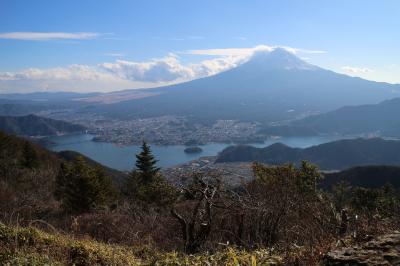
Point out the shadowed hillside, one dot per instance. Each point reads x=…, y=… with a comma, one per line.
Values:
x=365, y=176
x=382, y=119
x=32, y=125
x=335, y=155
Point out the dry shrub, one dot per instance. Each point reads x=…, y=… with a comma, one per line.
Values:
x=282, y=209
x=130, y=225
x=29, y=196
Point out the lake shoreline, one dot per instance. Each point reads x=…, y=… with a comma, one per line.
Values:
x=123, y=157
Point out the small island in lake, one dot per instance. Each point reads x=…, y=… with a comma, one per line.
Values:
x=193, y=150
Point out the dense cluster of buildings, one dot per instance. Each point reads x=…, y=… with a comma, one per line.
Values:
x=162, y=130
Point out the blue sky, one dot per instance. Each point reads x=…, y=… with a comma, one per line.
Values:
x=111, y=45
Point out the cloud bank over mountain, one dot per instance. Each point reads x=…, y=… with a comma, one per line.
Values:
x=125, y=74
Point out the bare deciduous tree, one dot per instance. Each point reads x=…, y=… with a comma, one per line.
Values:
x=196, y=226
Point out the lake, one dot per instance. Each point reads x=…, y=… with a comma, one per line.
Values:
x=123, y=158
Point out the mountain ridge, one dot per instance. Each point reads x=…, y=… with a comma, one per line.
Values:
x=33, y=125
x=371, y=119
x=336, y=155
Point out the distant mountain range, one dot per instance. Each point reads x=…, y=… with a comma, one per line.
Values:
x=377, y=119
x=15, y=106
x=335, y=155
x=32, y=125
x=382, y=118
x=269, y=87
x=47, y=96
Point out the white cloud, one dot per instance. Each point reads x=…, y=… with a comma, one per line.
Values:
x=381, y=73
x=123, y=74
x=247, y=51
x=217, y=65
x=117, y=75
x=170, y=69
x=356, y=70
x=157, y=70
x=78, y=78
x=72, y=72
x=114, y=54
x=46, y=36
x=229, y=51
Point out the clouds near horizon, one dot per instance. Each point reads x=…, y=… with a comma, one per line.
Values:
x=127, y=74
x=356, y=70
x=124, y=74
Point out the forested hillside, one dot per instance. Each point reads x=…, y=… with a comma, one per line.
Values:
x=365, y=176
x=336, y=155
x=379, y=118
x=32, y=125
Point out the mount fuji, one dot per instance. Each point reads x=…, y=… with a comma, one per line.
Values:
x=270, y=86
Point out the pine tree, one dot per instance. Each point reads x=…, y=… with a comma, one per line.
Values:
x=30, y=157
x=146, y=184
x=146, y=165
x=105, y=191
x=81, y=187
x=74, y=186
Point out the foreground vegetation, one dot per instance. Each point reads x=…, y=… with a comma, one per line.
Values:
x=30, y=246
x=61, y=212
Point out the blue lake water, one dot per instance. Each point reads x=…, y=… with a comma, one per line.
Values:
x=123, y=158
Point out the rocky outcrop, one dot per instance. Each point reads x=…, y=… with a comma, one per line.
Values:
x=383, y=250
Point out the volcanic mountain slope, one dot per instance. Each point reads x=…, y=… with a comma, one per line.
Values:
x=269, y=87
x=336, y=155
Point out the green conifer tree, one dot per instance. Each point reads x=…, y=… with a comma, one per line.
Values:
x=146, y=165
x=81, y=187
x=30, y=157
x=146, y=184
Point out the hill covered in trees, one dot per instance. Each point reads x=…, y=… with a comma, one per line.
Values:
x=33, y=125
x=27, y=168
x=379, y=119
x=365, y=176
x=334, y=155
